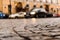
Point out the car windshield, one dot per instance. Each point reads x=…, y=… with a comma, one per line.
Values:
x=37, y=9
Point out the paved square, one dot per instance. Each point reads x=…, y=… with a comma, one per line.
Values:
x=30, y=29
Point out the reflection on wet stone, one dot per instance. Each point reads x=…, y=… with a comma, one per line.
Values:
x=39, y=31
x=49, y=31
x=0, y=39
x=7, y=36
x=25, y=37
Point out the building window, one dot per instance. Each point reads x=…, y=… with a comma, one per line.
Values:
x=54, y=1
x=30, y=0
x=49, y=1
x=58, y=2
x=44, y=1
x=40, y=1
x=34, y=0
x=37, y=0
x=34, y=6
x=26, y=0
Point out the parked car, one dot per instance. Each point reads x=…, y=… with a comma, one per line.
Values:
x=18, y=15
x=58, y=15
x=54, y=15
x=39, y=12
x=3, y=15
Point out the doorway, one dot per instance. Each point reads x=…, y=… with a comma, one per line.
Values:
x=19, y=7
x=47, y=8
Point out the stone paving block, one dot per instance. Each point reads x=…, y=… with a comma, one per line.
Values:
x=37, y=29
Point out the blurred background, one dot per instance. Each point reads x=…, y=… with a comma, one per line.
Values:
x=14, y=6
x=7, y=5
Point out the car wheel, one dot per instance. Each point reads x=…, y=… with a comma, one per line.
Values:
x=45, y=16
x=36, y=16
x=16, y=17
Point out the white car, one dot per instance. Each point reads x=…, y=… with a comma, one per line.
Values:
x=17, y=15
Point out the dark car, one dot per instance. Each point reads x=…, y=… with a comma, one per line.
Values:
x=2, y=15
x=39, y=13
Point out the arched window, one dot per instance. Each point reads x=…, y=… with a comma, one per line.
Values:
x=34, y=0
x=26, y=8
x=40, y=0
x=44, y=1
x=37, y=0
x=49, y=1
x=54, y=1
x=26, y=0
x=41, y=6
x=34, y=6
x=51, y=9
x=19, y=7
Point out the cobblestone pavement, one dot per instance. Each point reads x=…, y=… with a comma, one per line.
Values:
x=30, y=29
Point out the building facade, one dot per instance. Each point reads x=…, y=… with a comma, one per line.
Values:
x=53, y=5
x=1, y=5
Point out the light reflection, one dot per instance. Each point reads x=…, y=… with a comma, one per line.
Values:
x=25, y=21
x=33, y=20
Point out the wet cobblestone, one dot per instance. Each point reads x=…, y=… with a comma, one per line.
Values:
x=32, y=29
